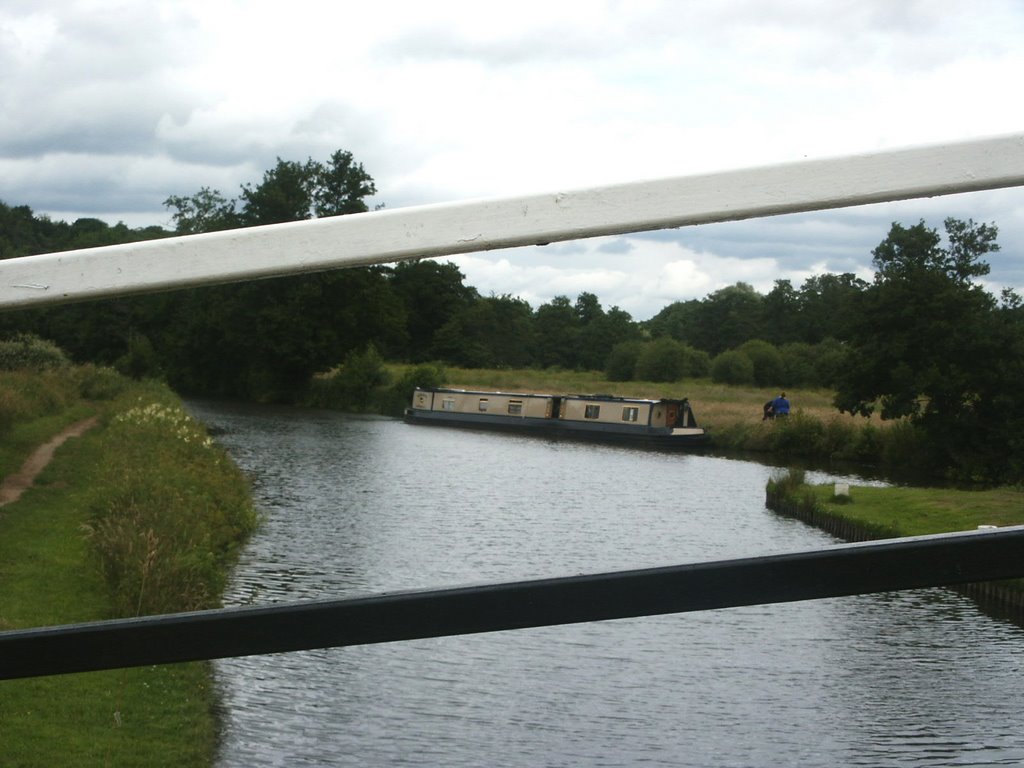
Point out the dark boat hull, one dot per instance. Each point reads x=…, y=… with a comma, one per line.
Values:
x=553, y=429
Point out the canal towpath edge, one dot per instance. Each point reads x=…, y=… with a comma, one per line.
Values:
x=13, y=486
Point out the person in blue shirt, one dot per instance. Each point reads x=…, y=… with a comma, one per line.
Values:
x=780, y=406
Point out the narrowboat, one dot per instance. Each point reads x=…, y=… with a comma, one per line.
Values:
x=606, y=418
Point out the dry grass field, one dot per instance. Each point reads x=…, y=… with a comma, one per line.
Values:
x=719, y=406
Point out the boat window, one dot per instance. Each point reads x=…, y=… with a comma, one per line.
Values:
x=483, y=403
x=592, y=412
x=448, y=404
x=515, y=407
x=630, y=413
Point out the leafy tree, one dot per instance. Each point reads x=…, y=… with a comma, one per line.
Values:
x=492, y=332
x=556, y=331
x=341, y=186
x=621, y=362
x=587, y=308
x=433, y=293
x=140, y=361
x=799, y=364
x=661, y=360
x=929, y=344
x=264, y=339
x=600, y=331
x=727, y=318
x=285, y=194
x=290, y=191
x=829, y=361
x=666, y=359
x=781, y=314
x=361, y=373
x=827, y=306
x=732, y=367
x=22, y=234
x=678, y=320
x=205, y=211
x=768, y=365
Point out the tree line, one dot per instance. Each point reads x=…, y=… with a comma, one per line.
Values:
x=922, y=341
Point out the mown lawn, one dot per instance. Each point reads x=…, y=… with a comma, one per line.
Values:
x=921, y=511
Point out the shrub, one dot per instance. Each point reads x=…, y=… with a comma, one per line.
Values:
x=837, y=438
x=29, y=395
x=12, y=408
x=768, y=367
x=830, y=359
x=352, y=385
x=425, y=375
x=26, y=351
x=732, y=367
x=787, y=482
x=866, y=444
x=141, y=360
x=660, y=360
x=395, y=399
x=905, y=446
x=797, y=435
x=621, y=362
x=799, y=365
x=696, y=362
x=666, y=359
x=99, y=383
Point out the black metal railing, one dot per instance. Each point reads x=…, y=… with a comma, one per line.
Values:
x=836, y=571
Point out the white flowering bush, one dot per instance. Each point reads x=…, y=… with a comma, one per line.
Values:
x=171, y=420
x=169, y=508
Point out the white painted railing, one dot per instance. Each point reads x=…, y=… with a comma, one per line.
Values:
x=465, y=227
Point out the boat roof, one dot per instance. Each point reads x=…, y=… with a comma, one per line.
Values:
x=594, y=397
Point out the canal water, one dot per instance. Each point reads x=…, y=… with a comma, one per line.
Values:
x=360, y=505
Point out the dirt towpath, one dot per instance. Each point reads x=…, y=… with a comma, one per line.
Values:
x=14, y=485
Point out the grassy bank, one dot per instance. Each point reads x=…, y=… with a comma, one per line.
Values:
x=882, y=513
x=732, y=413
x=34, y=405
x=143, y=514
x=900, y=511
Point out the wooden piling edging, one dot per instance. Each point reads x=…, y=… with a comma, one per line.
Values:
x=992, y=597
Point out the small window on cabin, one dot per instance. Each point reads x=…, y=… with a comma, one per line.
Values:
x=483, y=404
x=448, y=404
x=630, y=413
x=515, y=407
x=592, y=412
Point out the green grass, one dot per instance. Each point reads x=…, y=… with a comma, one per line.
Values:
x=152, y=716
x=923, y=511
x=52, y=572
x=25, y=437
x=49, y=577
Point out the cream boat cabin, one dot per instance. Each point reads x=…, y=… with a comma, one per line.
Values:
x=597, y=417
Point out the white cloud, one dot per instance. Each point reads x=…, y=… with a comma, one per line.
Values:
x=110, y=106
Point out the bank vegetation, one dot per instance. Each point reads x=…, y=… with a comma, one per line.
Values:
x=142, y=514
x=862, y=512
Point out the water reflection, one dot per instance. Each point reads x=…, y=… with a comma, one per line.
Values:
x=358, y=505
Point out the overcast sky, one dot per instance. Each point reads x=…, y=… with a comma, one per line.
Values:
x=108, y=108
